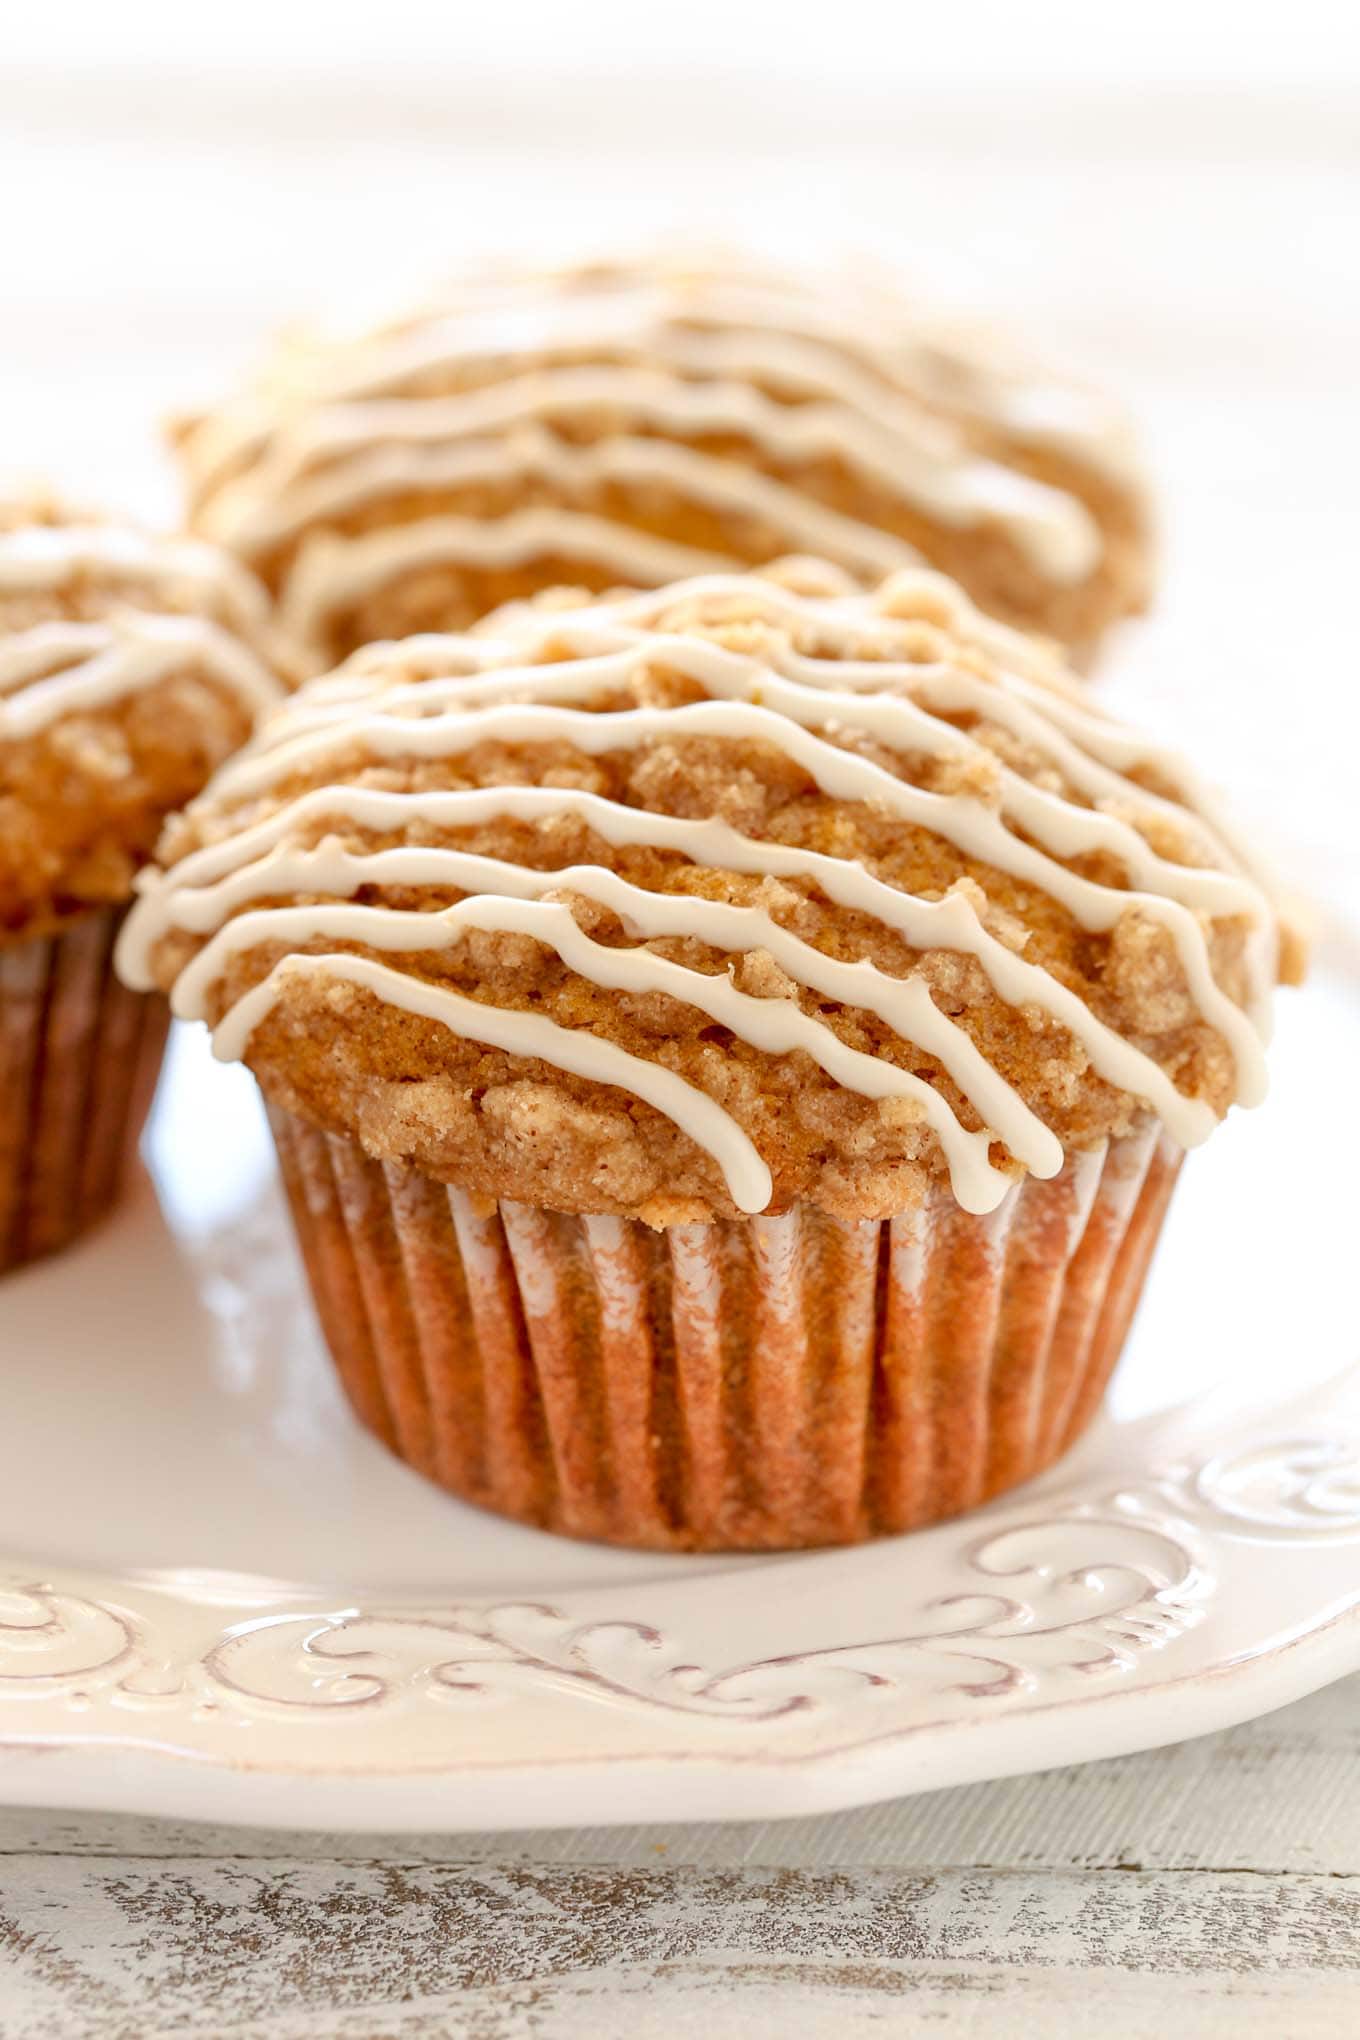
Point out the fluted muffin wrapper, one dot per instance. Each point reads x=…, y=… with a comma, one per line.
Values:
x=79, y=1058
x=753, y=1384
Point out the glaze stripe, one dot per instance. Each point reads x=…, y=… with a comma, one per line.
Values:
x=964, y=821
x=1054, y=529
x=267, y=887
x=259, y=525
x=904, y=1004
x=575, y=381
x=213, y=881
x=527, y=1034
x=48, y=555
x=334, y=573
x=113, y=660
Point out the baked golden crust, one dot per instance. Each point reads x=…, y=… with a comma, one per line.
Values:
x=875, y=769
x=129, y=668
x=627, y=425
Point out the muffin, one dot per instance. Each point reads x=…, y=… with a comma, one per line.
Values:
x=626, y=425
x=729, y=1047
x=130, y=666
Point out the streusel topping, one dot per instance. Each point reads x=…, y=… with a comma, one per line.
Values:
x=704, y=900
x=631, y=424
x=130, y=666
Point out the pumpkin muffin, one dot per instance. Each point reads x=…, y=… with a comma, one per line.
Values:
x=729, y=1047
x=130, y=666
x=624, y=425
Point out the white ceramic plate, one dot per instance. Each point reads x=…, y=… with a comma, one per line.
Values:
x=219, y=1598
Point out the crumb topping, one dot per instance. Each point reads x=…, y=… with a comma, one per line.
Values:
x=130, y=666
x=633, y=424
x=706, y=900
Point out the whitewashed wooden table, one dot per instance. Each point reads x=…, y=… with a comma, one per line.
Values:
x=1202, y=244
x=1205, y=1890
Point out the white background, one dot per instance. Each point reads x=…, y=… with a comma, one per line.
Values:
x=1170, y=193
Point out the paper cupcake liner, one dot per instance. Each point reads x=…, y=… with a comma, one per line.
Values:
x=767, y=1383
x=79, y=1057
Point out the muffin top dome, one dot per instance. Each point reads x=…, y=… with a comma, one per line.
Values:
x=628, y=424
x=701, y=900
x=130, y=666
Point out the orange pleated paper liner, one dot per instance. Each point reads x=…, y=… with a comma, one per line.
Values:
x=79, y=1057
x=768, y=1383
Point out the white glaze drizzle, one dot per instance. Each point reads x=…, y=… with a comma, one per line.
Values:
x=49, y=555
x=1054, y=529
x=979, y=831
x=524, y=1034
x=782, y=698
x=66, y=666
x=346, y=426
x=58, y=669
x=731, y=677
x=253, y=524
x=247, y=865
x=773, y=1025
x=1097, y=760
x=961, y=363
x=332, y=571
